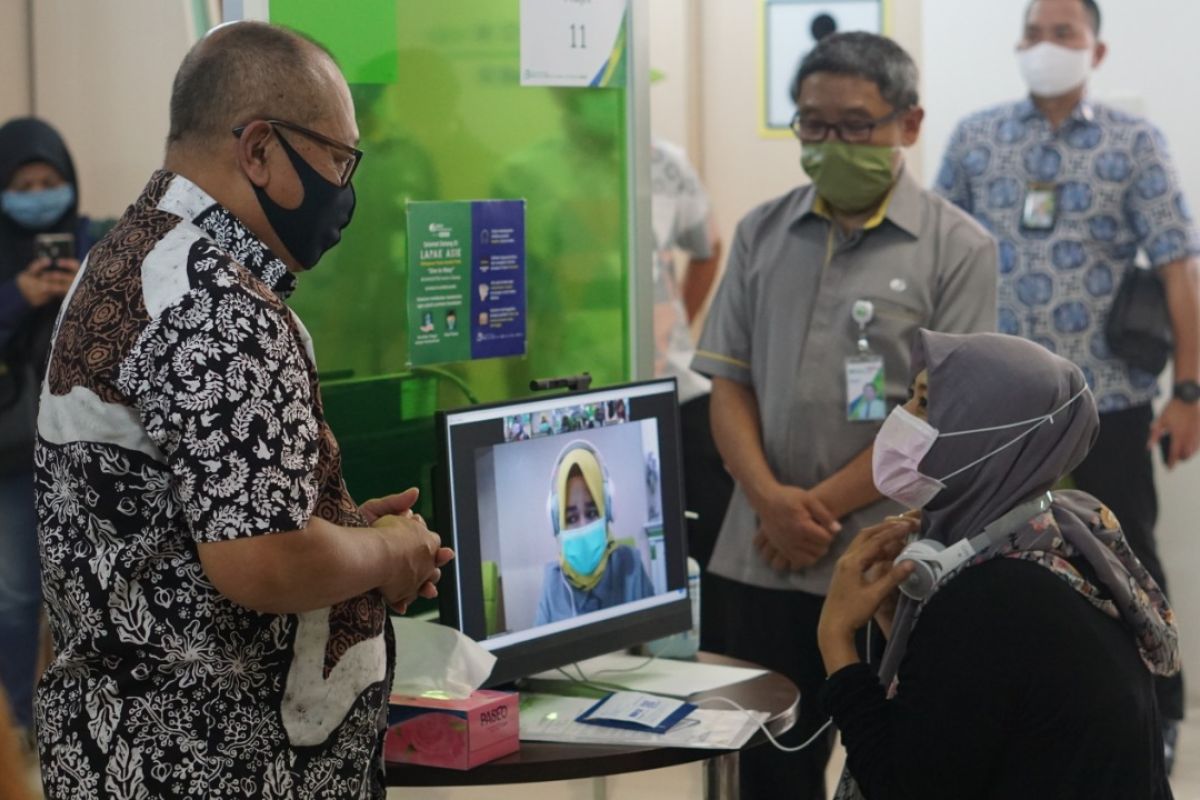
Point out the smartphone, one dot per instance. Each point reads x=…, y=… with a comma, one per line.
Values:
x=1164, y=447
x=54, y=246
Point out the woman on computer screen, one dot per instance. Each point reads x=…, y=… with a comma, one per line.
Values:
x=593, y=571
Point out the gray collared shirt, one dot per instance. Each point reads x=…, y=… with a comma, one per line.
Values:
x=781, y=323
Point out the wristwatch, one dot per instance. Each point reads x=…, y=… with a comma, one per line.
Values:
x=1188, y=392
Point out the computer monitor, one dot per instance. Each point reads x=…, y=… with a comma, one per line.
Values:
x=566, y=514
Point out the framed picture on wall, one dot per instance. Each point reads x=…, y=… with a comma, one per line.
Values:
x=790, y=29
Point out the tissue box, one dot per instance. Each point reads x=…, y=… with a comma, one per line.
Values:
x=457, y=734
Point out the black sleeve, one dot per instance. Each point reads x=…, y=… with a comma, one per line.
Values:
x=857, y=702
x=945, y=727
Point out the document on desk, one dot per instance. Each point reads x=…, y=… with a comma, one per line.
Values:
x=663, y=676
x=551, y=718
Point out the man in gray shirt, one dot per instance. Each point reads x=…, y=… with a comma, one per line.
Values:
x=824, y=290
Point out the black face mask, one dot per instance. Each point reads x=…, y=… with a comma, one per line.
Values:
x=316, y=225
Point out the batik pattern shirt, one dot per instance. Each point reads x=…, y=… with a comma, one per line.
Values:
x=1118, y=195
x=181, y=407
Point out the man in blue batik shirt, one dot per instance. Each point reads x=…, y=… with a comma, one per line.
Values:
x=1077, y=193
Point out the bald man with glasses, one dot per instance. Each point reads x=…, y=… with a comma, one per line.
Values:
x=217, y=599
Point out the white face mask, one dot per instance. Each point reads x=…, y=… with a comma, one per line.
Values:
x=1051, y=70
x=905, y=439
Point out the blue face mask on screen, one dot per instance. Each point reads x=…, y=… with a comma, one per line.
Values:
x=582, y=548
x=38, y=210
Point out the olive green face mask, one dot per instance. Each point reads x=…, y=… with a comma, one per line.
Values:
x=851, y=177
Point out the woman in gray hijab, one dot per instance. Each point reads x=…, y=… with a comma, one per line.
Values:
x=1020, y=656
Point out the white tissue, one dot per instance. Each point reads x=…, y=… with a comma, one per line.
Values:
x=433, y=660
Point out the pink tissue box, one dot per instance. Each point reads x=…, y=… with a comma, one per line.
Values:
x=458, y=734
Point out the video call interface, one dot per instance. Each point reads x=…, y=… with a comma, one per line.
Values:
x=566, y=511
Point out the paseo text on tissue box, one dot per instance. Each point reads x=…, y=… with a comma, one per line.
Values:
x=457, y=734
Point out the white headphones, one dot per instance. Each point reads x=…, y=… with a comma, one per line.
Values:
x=934, y=560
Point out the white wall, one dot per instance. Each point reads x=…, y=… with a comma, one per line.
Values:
x=14, y=60
x=104, y=74
x=739, y=168
x=969, y=64
x=673, y=101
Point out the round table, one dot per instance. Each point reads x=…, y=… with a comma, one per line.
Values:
x=548, y=761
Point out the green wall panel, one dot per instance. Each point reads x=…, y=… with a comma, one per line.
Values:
x=443, y=117
x=456, y=125
x=366, y=53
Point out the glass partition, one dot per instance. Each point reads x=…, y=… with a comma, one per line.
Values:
x=442, y=117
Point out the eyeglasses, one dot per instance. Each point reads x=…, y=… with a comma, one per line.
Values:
x=350, y=156
x=850, y=132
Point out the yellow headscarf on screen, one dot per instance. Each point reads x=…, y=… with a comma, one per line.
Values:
x=593, y=476
x=583, y=459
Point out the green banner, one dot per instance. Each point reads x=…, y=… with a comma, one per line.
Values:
x=439, y=282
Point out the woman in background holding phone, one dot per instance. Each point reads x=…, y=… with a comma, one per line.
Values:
x=40, y=236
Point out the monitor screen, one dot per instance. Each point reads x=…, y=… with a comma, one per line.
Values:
x=566, y=515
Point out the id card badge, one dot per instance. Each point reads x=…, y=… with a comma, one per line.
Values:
x=866, y=401
x=1041, y=207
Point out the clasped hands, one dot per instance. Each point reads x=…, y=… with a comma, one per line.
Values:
x=417, y=555
x=796, y=528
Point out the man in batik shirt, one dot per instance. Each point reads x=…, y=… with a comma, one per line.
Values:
x=218, y=601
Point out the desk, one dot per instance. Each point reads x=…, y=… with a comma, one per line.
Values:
x=548, y=761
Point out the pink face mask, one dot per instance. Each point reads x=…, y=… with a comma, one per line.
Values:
x=901, y=444
x=905, y=439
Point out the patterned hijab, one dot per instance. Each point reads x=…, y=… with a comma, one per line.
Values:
x=983, y=380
